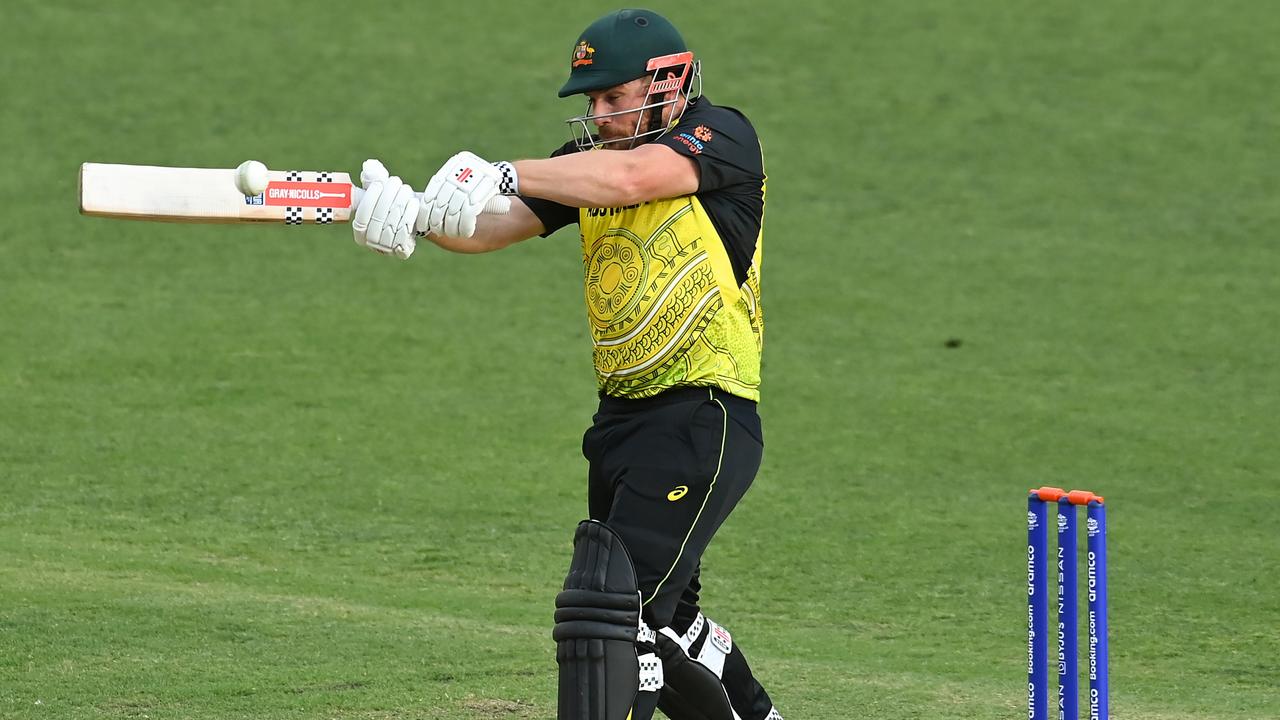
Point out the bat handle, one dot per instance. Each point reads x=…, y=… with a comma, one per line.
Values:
x=498, y=205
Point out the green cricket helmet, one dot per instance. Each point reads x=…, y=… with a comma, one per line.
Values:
x=624, y=46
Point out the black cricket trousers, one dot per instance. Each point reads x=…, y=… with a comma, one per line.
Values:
x=664, y=473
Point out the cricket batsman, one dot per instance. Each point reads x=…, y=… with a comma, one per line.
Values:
x=667, y=190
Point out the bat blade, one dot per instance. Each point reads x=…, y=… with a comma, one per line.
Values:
x=209, y=195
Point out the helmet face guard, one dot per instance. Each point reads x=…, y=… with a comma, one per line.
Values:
x=683, y=76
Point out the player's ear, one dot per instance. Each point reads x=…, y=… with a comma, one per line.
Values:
x=668, y=95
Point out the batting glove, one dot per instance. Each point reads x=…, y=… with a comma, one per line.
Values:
x=464, y=187
x=383, y=220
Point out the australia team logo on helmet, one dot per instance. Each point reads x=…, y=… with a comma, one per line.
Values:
x=582, y=54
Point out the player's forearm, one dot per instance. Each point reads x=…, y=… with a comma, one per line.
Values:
x=606, y=178
x=494, y=232
x=473, y=245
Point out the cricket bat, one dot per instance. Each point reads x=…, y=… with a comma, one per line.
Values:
x=209, y=195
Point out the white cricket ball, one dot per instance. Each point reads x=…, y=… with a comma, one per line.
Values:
x=252, y=178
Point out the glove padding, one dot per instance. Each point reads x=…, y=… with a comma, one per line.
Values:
x=383, y=220
x=464, y=187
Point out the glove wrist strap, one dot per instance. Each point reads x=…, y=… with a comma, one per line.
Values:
x=510, y=183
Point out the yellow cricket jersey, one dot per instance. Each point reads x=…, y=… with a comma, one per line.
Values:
x=672, y=286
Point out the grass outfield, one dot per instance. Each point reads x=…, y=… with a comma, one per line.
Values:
x=260, y=473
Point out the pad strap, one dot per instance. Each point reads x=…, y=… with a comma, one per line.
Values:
x=707, y=678
x=705, y=641
x=692, y=691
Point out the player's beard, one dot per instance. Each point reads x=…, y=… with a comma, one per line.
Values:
x=615, y=137
x=620, y=134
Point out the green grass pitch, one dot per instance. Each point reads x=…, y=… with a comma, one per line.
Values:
x=259, y=473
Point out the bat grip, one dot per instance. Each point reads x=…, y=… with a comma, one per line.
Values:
x=497, y=205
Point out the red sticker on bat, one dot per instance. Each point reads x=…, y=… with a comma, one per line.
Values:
x=308, y=194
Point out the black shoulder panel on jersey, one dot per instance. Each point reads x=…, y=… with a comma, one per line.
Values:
x=597, y=623
x=724, y=145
